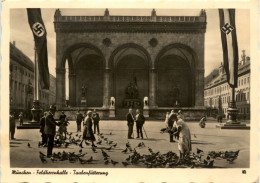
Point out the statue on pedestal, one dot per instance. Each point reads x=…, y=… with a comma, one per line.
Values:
x=176, y=95
x=145, y=101
x=112, y=102
x=132, y=94
x=83, y=91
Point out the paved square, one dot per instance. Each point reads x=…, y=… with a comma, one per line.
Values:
x=207, y=139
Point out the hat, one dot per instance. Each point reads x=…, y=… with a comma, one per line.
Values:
x=52, y=107
x=89, y=112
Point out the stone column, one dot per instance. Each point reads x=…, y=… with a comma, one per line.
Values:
x=152, y=88
x=72, y=89
x=107, y=88
x=60, y=87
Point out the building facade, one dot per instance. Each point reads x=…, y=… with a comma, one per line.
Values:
x=21, y=84
x=217, y=92
x=129, y=58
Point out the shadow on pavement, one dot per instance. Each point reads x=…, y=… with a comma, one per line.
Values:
x=201, y=142
x=15, y=143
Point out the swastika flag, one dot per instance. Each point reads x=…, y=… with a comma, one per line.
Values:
x=39, y=34
x=229, y=45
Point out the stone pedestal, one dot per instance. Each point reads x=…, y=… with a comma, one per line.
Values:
x=232, y=122
x=112, y=113
x=36, y=113
x=83, y=102
x=146, y=111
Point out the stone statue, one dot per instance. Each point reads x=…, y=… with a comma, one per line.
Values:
x=112, y=101
x=176, y=95
x=131, y=90
x=145, y=101
x=83, y=90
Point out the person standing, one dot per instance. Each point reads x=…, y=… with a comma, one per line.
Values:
x=140, y=119
x=202, y=122
x=88, y=132
x=12, y=125
x=50, y=129
x=42, y=126
x=63, y=124
x=184, y=142
x=130, y=123
x=172, y=119
x=96, y=119
x=79, y=119
x=21, y=119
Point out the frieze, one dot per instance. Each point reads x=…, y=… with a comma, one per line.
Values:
x=134, y=27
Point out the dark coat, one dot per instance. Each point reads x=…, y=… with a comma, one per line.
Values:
x=95, y=117
x=50, y=124
x=12, y=122
x=172, y=118
x=79, y=118
x=130, y=119
x=42, y=124
x=140, y=120
x=88, y=132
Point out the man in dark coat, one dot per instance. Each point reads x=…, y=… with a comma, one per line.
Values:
x=42, y=126
x=140, y=119
x=21, y=118
x=96, y=119
x=50, y=129
x=79, y=119
x=12, y=125
x=130, y=123
x=172, y=119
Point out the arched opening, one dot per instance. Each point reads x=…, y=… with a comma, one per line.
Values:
x=89, y=69
x=174, y=82
x=176, y=65
x=131, y=71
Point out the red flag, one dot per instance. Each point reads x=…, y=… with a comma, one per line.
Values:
x=39, y=34
x=229, y=45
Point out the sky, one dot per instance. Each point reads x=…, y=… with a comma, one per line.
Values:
x=20, y=31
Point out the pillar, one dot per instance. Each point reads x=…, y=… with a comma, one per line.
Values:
x=199, y=88
x=60, y=87
x=72, y=89
x=107, y=88
x=152, y=88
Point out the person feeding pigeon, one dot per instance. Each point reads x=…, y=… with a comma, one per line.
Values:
x=63, y=124
x=184, y=142
x=88, y=132
x=50, y=129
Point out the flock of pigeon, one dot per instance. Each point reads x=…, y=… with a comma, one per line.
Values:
x=151, y=160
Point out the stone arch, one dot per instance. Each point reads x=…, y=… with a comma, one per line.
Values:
x=141, y=49
x=179, y=55
x=70, y=49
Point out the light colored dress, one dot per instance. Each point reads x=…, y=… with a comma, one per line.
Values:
x=184, y=143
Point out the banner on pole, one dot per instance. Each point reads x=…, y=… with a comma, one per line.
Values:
x=39, y=34
x=229, y=45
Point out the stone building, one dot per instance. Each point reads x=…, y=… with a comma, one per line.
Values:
x=130, y=58
x=22, y=84
x=217, y=92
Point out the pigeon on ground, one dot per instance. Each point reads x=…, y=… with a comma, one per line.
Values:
x=199, y=151
x=99, y=142
x=94, y=150
x=43, y=159
x=42, y=154
x=109, y=148
x=110, y=133
x=106, y=161
x=80, y=151
x=114, y=162
x=194, y=136
x=114, y=145
x=29, y=145
x=124, y=151
x=125, y=163
x=104, y=154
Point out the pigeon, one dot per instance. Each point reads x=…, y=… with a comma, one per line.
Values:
x=124, y=151
x=43, y=159
x=94, y=150
x=105, y=139
x=125, y=163
x=80, y=145
x=29, y=145
x=128, y=159
x=42, y=154
x=210, y=164
x=106, y=161
x=104, y=154
x=110, y=133
x=109, y=148
x=208, y=157
x=66, y=144
x=86, y=143
x=76, y=135
x=102, y=136
x=53, y=159
x=82, y=161
x=194, y=136
x=114, y=162
x=230, y=160
x=199, y=151
x=127, y=144
x=150, y=150
x=80, y=151
x=99, y=142
x=114, y=145
x=110, y=142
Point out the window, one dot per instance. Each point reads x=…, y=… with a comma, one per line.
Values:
x=242, y=81
x=238, y=82
x=11, y=67
x=248, y=80
x=245, y=81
